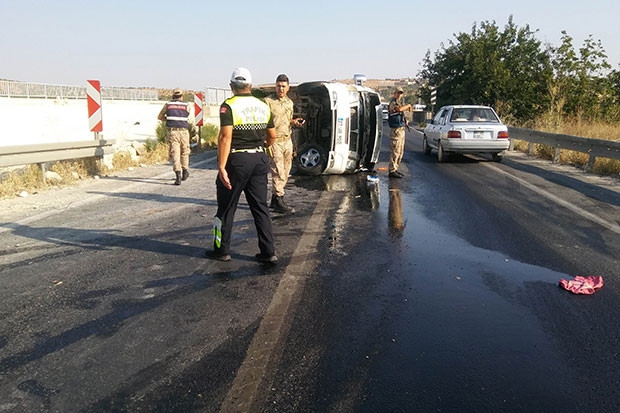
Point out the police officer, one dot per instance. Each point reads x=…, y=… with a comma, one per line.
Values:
x=176, y=115
x=397, y=124
x=281, y=107
x=243, y=166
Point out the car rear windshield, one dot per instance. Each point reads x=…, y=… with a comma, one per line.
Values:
x=473, y=115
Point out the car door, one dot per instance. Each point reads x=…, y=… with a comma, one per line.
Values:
x=439, y=122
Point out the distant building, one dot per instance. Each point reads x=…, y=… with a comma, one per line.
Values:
x=386, y=83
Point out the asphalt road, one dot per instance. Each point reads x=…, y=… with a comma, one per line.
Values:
x=437, y=292
x=460, y=309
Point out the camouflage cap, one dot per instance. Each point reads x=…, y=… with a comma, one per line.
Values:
x=177, y=92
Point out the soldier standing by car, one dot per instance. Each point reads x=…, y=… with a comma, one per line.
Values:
x=176, y=115
x=397, y=124
x=243, y=166
x=282, y=151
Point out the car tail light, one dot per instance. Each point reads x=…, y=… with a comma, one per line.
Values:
x=454, y=134
x=502, y=135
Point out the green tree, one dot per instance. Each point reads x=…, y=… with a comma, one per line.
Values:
x=502, y=68
x=613, y=105
x=614, y=78
x=564, y=63
x=581, y=86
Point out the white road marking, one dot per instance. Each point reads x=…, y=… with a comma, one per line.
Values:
x=274, y=326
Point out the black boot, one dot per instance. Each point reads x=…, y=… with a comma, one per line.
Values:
x=178, y=180
x=272, y=205
x=281, y=207
x=184, y=175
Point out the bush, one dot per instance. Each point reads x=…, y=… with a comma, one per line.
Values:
x=208, y=136
x=151, y=144
x=161, y=132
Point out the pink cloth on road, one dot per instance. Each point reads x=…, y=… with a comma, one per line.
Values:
x=583, y=285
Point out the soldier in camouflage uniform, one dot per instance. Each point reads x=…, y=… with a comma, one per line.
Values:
x=282, y=151
x=176, y=114
x=397, y=124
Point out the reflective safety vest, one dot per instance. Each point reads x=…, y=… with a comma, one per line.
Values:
x=249, y=112
x=250, y=118
x=177, y=114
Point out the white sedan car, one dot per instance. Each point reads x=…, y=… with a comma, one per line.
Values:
x=466, y=129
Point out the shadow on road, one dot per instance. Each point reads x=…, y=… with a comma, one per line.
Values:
x=160, y=198
x=590, y=190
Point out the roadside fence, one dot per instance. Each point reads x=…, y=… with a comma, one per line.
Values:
x=12, y=89
x=8, y=88
x=214, y=96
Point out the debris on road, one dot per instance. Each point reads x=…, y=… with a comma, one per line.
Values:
x=583, y=285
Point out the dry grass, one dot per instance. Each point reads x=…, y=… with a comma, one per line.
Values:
x=71, y=171
x=28, y=179
x=575, y=127
x=160, y=153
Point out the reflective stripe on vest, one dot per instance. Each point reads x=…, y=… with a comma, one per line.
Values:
x=249, y=113
x=177, y=114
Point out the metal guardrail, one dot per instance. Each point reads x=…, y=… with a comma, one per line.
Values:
x=596, y=148
x=12, y=89
x=51, y=152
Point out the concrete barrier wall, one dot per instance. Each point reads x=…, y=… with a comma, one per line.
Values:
x=34, y=121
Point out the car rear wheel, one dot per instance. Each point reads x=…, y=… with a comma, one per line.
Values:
x=441, y=155
x=312, y=160
x=497, y=157
x=425, y=147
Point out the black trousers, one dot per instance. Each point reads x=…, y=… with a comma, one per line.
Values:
x=248, y=173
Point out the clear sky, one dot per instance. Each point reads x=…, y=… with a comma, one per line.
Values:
x=195, y=44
